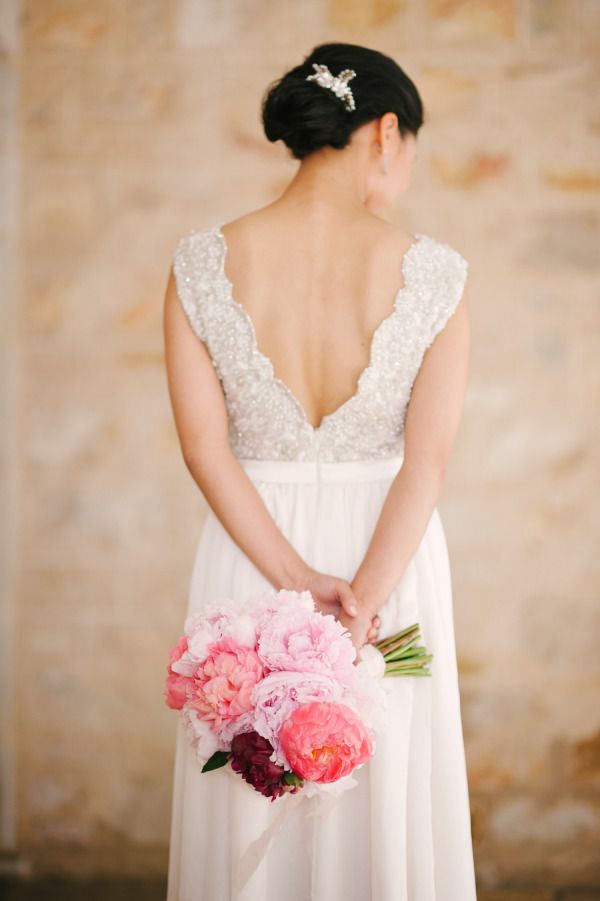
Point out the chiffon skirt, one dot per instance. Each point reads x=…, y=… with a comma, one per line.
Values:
x=403, y=833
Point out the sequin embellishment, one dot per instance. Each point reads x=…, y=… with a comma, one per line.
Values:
x=266, y=421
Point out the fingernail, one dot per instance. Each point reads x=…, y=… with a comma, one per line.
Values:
x=353, y=608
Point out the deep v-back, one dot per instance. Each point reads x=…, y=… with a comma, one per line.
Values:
x=403, y=289
x=266, y=419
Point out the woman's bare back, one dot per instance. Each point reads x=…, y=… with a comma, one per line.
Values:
x=315, y=295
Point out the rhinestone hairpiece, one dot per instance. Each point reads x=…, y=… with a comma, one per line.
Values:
x=338, y=83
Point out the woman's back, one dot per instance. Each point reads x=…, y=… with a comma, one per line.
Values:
x=315, y=292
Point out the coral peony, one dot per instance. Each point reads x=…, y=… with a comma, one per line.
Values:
x=178, y=684
x=278, y=694
x=223, y=686
x=251, y=758
x=324, y=741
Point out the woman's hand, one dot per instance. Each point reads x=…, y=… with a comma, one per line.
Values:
x=335, y=596
x=360, y=627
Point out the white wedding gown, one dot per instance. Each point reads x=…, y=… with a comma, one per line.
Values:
x=403, y=833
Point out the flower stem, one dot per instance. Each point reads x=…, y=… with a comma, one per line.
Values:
x=402, y=655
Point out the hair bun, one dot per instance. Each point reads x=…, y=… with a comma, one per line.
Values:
x=307, y=116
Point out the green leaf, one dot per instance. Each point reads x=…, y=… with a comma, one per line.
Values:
x=291, y=778
x=218, y=759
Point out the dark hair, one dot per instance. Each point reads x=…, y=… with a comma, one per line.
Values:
x=306, y=116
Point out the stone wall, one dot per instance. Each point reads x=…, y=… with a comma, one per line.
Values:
x=124, y=125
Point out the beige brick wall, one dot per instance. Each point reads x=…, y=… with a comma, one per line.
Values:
x=131, y=123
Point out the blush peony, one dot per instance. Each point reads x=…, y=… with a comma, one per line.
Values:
x=324, y=742
x=294, y=638
x=215, y=622
x=223, y=686
x=282, y=601
x=201, y=736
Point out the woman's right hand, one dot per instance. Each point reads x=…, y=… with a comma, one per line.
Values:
x=333, y=595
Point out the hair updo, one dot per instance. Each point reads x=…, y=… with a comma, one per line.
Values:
x=306, y=116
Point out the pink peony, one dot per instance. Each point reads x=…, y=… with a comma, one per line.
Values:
x=177, y=685
x=223, y=686
x=295, y=638
x=324, y=742
x=277, y=695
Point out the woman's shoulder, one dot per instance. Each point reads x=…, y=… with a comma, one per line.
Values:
x=443, y=275
x=204, y=241
x=196, y=249
x=439, y=253
x=442, y=254
x=195, y=236
x=196, y=263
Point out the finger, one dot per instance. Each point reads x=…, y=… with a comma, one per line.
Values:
x=347, y=599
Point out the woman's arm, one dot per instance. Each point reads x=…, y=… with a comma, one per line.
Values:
x=431, y=425
x=201, y=421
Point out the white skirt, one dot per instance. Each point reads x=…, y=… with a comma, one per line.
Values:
x=403, y=833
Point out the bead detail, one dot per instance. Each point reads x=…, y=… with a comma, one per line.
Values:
x=266, y=421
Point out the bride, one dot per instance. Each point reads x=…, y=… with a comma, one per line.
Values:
x=317, y=360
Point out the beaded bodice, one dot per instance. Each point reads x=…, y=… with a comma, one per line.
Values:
x=266, y=421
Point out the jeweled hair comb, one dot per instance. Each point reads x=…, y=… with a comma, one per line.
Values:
x=336, y=83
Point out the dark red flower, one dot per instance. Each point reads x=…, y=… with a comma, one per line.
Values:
x=250, y=754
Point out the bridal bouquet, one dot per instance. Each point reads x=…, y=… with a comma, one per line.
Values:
x=273, y=689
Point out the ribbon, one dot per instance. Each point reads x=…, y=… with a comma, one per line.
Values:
x=246, y=866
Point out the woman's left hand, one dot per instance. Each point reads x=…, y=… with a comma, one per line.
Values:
x=363, y=627
x=373, y=633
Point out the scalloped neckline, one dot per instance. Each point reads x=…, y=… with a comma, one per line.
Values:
x=268, y=363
